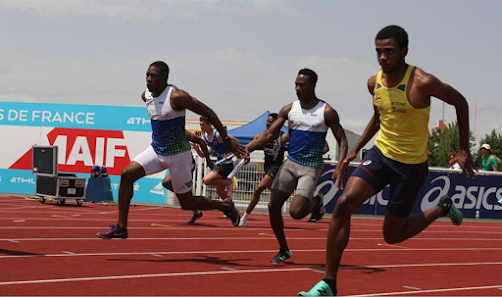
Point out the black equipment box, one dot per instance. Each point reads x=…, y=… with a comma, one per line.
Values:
x=50, y=183
x=61, y=187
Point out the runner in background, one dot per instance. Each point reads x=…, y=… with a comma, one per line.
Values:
x=274, y=157
x=199, y=145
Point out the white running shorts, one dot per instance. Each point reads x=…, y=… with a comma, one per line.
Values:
x=179, y=165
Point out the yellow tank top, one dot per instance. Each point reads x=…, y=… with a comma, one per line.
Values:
x=404, y=131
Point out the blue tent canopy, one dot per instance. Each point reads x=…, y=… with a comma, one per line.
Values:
x=245, y=134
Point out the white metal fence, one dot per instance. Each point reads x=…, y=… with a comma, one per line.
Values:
x=245, y=182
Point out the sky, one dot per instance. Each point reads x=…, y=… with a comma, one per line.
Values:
x=241, y=57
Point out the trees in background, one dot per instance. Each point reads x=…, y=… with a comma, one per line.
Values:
x=441, y=143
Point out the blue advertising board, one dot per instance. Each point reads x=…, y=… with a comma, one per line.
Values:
x=469, y=195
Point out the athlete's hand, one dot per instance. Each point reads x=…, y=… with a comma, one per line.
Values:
x=212, y=165
x=345, y=164
x=464, y=159
x=337, y=177
x=237, y=149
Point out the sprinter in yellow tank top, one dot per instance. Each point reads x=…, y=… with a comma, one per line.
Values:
x=401, y=103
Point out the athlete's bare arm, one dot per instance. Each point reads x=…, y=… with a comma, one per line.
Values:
x=200, y=144
x=181, y=99
x=371, y=129
x=333, y=121
x=426, y=85
x=267, y=136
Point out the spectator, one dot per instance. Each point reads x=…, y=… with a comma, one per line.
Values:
x=489, y=161
x=453, y=164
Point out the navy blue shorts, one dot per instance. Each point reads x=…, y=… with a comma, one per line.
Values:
x=272, y=170
x=225, y=169
x=405, y=180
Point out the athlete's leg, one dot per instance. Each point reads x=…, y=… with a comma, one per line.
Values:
x=304, y=201
x=398, y=229
x=277, y=200
x=181, y=177
x=264, y=184
x=406, y=181
x=221, y=191
x=167, y=183
x=214, y=179
x=190, y=202
x=129, y=175
x=356, y=191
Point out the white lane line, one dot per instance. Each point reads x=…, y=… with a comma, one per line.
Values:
x=137, y=276
x=68, y=253
x=240, y=251
x=186, y=227
x=429, y=291
x=244, y=238
x=19, y=221
x=156, y=255
x=228, y=268
x=412, y=288
x=191, y=274
x=13, y=240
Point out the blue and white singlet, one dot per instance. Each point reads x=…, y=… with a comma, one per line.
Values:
x=307, y=130
x=168, y=125
x=219, y=149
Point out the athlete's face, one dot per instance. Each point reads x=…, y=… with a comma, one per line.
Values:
x=304, y=87
x=270, y=120
x=205, y=127
x=156, y=80
x=390, y=55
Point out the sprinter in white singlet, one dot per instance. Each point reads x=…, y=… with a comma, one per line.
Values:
x=166, y=106
x=309, y=120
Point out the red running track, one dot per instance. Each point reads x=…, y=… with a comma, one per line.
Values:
x=53, y=250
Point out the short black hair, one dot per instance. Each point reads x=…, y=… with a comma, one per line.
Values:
x=162, y=66
x=310, y=73
x=273, y=115
x=396, y=32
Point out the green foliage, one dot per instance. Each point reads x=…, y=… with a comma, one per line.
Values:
x=495, y=141
x=443, y=143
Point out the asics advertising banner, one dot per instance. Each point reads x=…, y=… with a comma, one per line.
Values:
x=469, y=195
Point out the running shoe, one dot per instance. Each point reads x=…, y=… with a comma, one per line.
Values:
x=318, y=211
x=321, y=289
x=281, y=256
x=243, y=222
x=232, y=212
x=197, y=214
x=114, y=232
x=451, y=210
